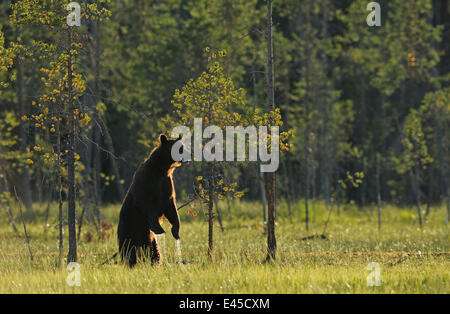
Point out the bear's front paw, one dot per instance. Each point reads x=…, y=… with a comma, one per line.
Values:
x=176, y=233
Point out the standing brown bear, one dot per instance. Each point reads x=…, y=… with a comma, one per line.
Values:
x=150, y=198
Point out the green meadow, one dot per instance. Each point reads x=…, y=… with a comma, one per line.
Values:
x=411, y=260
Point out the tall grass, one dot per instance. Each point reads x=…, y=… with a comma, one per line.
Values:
x=412, y=260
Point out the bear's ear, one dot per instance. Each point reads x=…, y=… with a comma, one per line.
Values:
x=180, y=137
x=163, y=139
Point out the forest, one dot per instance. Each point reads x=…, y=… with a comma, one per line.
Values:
x=87, y=89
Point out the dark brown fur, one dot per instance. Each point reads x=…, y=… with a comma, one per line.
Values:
x=150, y=198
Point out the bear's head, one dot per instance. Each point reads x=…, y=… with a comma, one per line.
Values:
x=165, y=149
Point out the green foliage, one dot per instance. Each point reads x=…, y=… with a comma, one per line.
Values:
x=11, y=159
x=408, y=42
x=346, y=90
x=437, y=102
x=6, y=60
x=6, y=55
x=419, y=133
x=212, y=96
x=416, y=150
x=353, y=180
x=53, y=14
x=50, y=109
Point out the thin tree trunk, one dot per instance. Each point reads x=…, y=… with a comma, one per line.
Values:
x=40, y=179
x=429, y=194
x=306, y=114
x=364, y=185
x=441, y=17
x=11, y=217
x=96, y=132
x=288, y=194
x=443, y=165
x=416, y=195
x=80, y=222
x=89, y=200
x=115, y=168
x=27, y=238
x=219, y=216
x=260, y=176
x=60, y=189
x=102, y=119
x=307, y=195
x=326, y=177
x=96, y=64
x=338, y=193
x=96, y=168
x=378, y=191
x=9, y=212
x=49, y=199
x=210, y=211
x=72, y=254
x=313, y=201
x=270, y=177
x=271, y=239
x=263, y=197
x=25, y=177
x=293, y=188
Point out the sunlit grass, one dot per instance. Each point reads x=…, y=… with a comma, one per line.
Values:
x=412, y=260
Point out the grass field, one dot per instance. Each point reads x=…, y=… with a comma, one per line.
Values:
x=411, y=260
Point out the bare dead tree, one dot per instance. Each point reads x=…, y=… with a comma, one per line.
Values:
x=72, y=254
x=270, y=177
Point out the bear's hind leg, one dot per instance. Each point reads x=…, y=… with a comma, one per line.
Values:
x=132, y=259
x=128, y=253
x=154, y=249
x=145, y=252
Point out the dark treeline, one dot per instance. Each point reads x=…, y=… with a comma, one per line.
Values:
x=366, y=103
